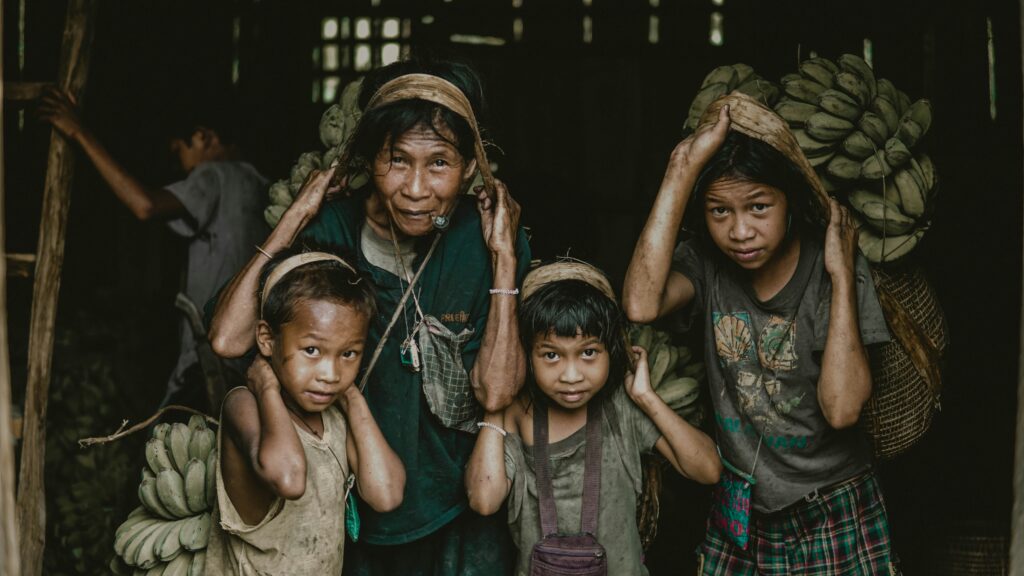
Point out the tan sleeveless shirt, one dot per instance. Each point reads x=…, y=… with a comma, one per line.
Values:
x=301, y=537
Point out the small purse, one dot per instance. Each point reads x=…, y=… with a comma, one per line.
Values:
x=730, y=505
x=568, y=554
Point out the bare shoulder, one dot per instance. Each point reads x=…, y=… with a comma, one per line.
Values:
x=240, y=411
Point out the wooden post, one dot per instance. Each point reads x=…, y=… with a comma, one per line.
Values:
x=1017, y=519
x=9, y=557
x=74, y=66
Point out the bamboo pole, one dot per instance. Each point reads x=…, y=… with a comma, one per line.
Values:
x=74, y=67
x=9, y=558
x=1017, y=518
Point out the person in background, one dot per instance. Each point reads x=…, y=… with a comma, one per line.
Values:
x=217, y=206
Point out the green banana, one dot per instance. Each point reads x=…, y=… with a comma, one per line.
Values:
x=928, y=174
x=743, y=72
x=273, y=214
x=677, y=389
x=195, y=533
x=179, y=566
x=840, y=104
x=150, y=499
x=909, y=131
x=888, y=249
x=912, y=197
x=854, y=86
x=704, y=98
x=811, y=146
x=196, y=422
x=280, y=194
x=147, y=556
x=169, y=545
x=198, y=567
x=827, y=128
x=195, y=485
x=902, y=102
x=759, y=89
x=128, y=530
x=816, y=69
x=794, y=112
x=201, y=443
x=177, y=445
x=843, y=167
x=789, y=77
x=658, y=362
x=874, y=127
x=892, y=194
x=816, y=161
x=857, y=145
x=721, y=75
x=170, y=488
x=640, y=335
x=685, y=355
x=880, y=214
x=803, y=89
x=131, y=551
x=887, y=89
x=886, y=110
x=156, y=456
x=896, y=152
x=857, y=65
x=161, y=430
x=695, y=371
x=875, y=167
x=921, y=113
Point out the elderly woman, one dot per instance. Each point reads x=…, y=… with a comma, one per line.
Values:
x=445, y=343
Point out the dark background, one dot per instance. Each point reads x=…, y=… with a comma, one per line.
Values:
x=586, y=128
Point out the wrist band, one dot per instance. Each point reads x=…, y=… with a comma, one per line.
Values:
x=494, y=427
x=504, y=291
x=262, y=251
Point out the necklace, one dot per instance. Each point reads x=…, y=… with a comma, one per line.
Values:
x=409, y=351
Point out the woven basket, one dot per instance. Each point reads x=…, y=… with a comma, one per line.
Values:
x=908, y=379
x=971, y=555
x=648, y=506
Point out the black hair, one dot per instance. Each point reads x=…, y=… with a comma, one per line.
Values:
x=220, y=115
x=324, y=280
x=387, y=123
x=570, y=307
x=751, y=160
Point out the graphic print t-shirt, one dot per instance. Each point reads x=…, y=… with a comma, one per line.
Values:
x=763, y=361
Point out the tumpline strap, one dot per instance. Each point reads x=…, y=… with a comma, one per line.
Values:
x=591, y=471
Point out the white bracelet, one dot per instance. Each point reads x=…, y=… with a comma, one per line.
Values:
x=494, y=427
x=504, y=291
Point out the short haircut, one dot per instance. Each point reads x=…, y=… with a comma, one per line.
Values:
x=324, y=280
x=389, y=122
x=570, y=307
x=750, y=160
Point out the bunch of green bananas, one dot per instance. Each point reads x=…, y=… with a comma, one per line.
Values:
x=337, y=125
x=675, y=376
x=859, y=133
x=725, y=80
x=168, y=533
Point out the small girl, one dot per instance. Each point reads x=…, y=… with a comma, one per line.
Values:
x=788, y=310
x=574, y=334
x=288, y=454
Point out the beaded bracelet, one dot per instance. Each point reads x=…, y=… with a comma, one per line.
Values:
x=494, y=427
x=504, y=291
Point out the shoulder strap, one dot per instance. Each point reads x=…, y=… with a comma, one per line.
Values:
x=591, y=471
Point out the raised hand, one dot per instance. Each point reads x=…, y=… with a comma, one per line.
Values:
x=317, y=186
x=695, y=151
x=260, y=377
x=60, y=109
x=840, y=242
x=499, y=218
x=638, y=382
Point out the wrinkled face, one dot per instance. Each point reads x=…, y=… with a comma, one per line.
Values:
x=569, y=371
x=747, y=221
x=316, y=355
x=419, y=177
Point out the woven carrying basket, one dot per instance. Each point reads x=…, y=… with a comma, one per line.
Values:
x=907, y=379
x=971, y=555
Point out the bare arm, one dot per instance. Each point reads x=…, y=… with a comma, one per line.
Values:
x=845, y=382
x=259, y=425
x=690, y=451
x=60, y=110
x=650, y=290
x=233, y=328
x=500, y=367
x=487, y=485
x=380, y=475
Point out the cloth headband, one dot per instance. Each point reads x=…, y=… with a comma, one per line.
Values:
x=750, y=117
x=566, y=270
x=439, y=91
x=293, y=262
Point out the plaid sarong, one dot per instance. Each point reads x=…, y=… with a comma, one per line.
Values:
x=843, y=531
x=445, y=380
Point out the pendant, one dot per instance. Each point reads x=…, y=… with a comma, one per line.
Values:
x=410, y=354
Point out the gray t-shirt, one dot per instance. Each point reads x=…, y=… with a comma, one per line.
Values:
x=627, y=432
x=764, y=360
x=225, y=203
